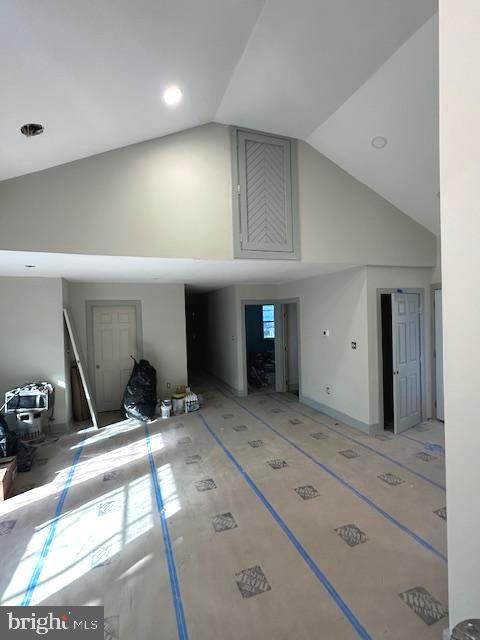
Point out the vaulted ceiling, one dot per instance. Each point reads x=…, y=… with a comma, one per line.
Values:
x=335, y=73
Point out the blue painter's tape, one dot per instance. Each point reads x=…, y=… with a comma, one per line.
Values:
x=52, y=530
x=172, y=570
x=341, y=604
x=346, y=484
x=366, y=446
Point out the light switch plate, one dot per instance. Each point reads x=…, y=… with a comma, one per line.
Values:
x=326, y=332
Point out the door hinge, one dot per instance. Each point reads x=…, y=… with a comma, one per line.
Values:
x=241, y=237
x=238, y=189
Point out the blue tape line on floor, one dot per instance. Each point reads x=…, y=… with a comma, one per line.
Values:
x=52, y=530
x=360, y=495
x=172, y=571
x=347, y=612
x=366, y=446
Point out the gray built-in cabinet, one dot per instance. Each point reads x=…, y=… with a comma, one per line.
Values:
x=265, y=200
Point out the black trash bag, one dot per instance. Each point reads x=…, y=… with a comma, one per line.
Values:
x=140, y=397
x=11, y=445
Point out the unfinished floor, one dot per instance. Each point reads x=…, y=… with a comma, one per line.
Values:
x=255, y=518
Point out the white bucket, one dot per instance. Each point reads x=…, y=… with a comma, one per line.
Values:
x=178, y=406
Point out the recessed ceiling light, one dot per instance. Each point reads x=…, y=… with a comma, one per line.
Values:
x=32, y=129
x=30, y=266
x=379, y=142
x=172, y=96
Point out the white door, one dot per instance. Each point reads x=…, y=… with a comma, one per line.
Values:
x=115, y=340
x=440, y=413
x=406, y=360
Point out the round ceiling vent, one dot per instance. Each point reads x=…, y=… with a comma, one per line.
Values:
x=32, y=129
x=379, y=142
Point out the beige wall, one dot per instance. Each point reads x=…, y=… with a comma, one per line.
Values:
x=460, y=225
x=172, y=197
x=345, y=303
x=169, y=197
x=222, y=352
x=163, y=324
x=337, y=302
x=32, y=337
x=342, y=221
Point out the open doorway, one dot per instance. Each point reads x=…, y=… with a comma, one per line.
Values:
x=271, y=346
x=260, y=333
x=400, y=359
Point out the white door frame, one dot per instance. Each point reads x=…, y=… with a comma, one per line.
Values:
x=423, y=389
x=279, y=342
x=434, y=287
x=89, y=307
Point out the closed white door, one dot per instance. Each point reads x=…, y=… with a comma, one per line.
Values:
x=440, y=412
x=406, y=360
x=115, y=340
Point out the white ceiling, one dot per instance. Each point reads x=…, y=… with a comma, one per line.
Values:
x=399, y=102
x=93, y=73
x=198, y=274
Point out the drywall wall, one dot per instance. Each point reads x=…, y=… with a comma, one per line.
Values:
x=397, y=278
x=338, y=303
x=163, y=324
x=460, y=228
x=437, y=270
x=169, y=197
x=342, y=221
x=222, y=355
x=172, y=197
x=32, y=337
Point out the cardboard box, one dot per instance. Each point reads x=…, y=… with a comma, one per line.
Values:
x=8, y=470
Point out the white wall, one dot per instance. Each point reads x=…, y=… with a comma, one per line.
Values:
x=460, y=222
x=169, y=197
x=342, y=221
x=172, y=197
x=222, y=352
x=32, y=337
x=437, y=270
x=396, y=278
x=163, y=324
x=337, y=302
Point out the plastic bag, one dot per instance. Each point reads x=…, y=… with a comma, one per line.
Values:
x=11, y=445
x=140, y=397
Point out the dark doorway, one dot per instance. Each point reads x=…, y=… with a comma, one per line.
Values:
x=387, y=360
x=260, y=344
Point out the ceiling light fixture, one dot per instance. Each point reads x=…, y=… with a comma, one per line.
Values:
x=172, y=96
x=379, y=142
x=32, y=129
x=30, y=266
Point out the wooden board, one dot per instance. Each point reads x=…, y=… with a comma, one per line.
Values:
x=81, y=366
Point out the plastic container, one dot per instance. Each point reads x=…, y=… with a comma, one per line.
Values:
x=166, y=408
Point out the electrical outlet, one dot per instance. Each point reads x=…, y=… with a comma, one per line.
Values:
x=326, y=332
x=328, y=390
x=168, y=385
x=354, y=345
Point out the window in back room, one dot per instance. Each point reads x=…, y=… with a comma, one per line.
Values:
x=268, y=317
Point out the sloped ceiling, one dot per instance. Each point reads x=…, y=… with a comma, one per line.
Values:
x=93, y=73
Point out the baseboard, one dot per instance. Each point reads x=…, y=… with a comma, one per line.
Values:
x=340, y=416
